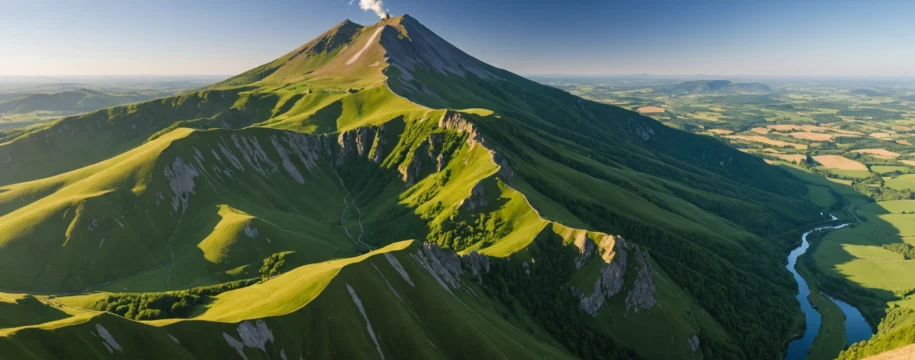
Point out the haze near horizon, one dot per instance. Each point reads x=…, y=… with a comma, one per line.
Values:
x=816, y=38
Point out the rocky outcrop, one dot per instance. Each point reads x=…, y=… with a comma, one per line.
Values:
x=108, y=340
x=476, y=200
x=444, y=265
x=251, y=231
x=255, y=335
x=641, y=296
x=357, y=142
x=586, y=249
x=368, y=324
x=693, y=343
x=455, y=121
x=180, y=177
x=436, y=141
x=380, y=146
x=412, y=170
x=477, y=264
x=611, y=278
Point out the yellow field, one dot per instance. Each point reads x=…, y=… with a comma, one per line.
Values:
x=760, y=130
x=795, y=158
x=838, y=162
x=811, y=128
x=707, y=116
x=908, y=162
x=721, y=131
x=765, y=140
x=807, y=135
x=881, y=135
x=880, y=153
x=650, y=109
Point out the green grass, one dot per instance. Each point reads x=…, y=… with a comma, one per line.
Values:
x=24, y=310
x=410, y=321
x=904, y=182
x=89, y=204
x=879, y=169
x=821, y=196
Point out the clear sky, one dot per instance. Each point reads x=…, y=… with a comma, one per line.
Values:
x=588, y=37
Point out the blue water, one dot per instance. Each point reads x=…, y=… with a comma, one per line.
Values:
x=797, y=348
x=856, y=328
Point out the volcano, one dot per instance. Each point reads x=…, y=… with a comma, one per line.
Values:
x=379, y=193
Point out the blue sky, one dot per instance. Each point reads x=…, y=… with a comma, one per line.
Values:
x=588, y=37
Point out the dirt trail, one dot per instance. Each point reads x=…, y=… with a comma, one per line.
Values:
x=356, y=240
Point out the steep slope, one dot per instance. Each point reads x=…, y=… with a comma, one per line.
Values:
x=582, y=228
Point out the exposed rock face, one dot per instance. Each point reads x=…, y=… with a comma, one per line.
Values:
x=477, y=263
x=611, y=279
x=585, y=247
x=110, y=343
x=641, y=296
x=455, y=121
x=693, y=343
x=643, y=131
x=307, y=148
x=254, y=335
x=476, y=200
x=444, y=265
x=505, y=171
x=180, y=177
x=413, y=169
x=436, y=141
x=357, y=142
x=254, y=155
x=251, y=231
x=368, y=324
x=400, y=270
x=380, y=145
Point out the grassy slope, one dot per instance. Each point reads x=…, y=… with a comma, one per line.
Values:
x=408, y=321
x=580, y=163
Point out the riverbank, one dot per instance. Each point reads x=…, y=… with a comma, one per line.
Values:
x=830, y=324
x=825, y=325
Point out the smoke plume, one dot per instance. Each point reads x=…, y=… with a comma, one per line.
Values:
x=373, y=5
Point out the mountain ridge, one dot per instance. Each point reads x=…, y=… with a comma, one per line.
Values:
x=351, y=142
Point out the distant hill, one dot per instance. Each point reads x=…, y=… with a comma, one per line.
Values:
x=716, y=87
x=81, y=100
x=868, y=92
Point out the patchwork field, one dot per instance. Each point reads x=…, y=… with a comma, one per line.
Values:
x=881, y=153
x=650, y=109
x=904, y=182
x=768, y=141
x=839, y=162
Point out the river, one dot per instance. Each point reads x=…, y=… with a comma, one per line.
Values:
x=856, y=328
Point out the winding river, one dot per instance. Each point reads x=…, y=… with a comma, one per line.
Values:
x=856, y=328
